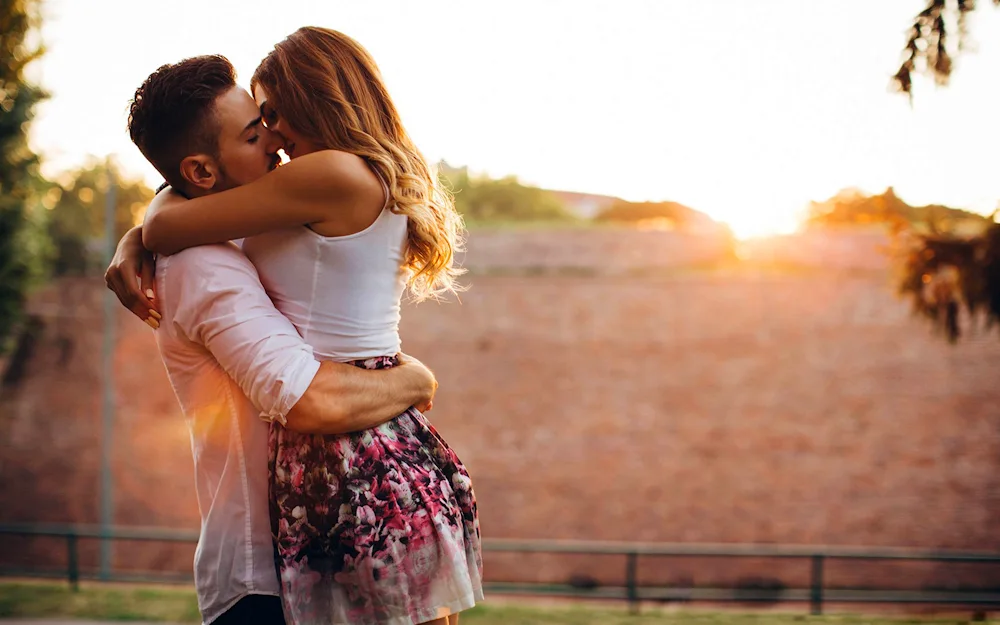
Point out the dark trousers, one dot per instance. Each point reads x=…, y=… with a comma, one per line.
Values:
x=253, y=610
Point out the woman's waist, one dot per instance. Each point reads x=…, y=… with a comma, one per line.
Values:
x=376, y=362
x=353, y=351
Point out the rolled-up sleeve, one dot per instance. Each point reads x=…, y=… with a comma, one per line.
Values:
x=221, y=304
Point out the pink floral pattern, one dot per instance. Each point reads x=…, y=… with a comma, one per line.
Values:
x=377, y=527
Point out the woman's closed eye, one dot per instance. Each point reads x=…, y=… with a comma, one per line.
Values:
x=254, y=139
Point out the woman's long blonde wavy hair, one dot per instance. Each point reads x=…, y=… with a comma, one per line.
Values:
x=327, y=87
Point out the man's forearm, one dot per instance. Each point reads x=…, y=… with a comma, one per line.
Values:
x=344, y=398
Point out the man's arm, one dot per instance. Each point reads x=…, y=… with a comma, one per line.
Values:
x=362, y=401
x=220, y=303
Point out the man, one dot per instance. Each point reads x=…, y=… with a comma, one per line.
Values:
x=230, y=355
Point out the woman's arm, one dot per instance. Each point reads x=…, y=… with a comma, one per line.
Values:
x=323, y=187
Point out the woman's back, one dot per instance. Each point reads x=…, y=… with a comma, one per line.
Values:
x=341, y=293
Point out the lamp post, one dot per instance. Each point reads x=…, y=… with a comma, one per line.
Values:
x=107, y=362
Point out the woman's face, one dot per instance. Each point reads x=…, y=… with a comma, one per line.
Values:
x=293, y=143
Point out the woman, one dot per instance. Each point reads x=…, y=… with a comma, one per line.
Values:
x=377, y=526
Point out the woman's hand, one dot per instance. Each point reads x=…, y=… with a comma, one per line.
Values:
x=131, y=276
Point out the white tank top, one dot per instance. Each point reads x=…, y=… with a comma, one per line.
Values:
x=341, y=293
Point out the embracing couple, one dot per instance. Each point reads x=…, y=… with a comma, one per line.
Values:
x=276, y=310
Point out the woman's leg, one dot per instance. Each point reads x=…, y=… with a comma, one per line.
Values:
x=453, y=619
x=438, y=621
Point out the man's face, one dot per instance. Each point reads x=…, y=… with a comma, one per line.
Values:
x=247, y=150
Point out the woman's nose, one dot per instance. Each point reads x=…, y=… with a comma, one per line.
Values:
x=274, y=141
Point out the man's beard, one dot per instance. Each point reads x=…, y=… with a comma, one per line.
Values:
x=224, y=180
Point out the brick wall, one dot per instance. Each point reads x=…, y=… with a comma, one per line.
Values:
x=731, y=406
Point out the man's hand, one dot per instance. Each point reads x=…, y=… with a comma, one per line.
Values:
x=344, y=398
x=130, y=276
x=423, y=378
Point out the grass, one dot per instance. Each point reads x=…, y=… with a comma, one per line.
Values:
x=512, y=615
x=117, y=602
x=98, y=602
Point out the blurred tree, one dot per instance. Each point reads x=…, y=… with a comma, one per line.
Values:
x=76, y=217
x=928, y=40
x=484, y=200
x=944, y=274
x=671, y=214
x=944, y=269
x=21, y=239
x=852, y=207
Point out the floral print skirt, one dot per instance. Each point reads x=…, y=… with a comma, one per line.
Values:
x=373, y=527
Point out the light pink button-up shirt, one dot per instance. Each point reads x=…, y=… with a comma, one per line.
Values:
x=232, y=358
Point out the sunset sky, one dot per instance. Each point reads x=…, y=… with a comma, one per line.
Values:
x=745, y=109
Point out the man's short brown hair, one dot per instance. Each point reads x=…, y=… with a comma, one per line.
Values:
x=172, y=115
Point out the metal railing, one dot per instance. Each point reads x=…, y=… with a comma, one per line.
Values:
x=632, y=592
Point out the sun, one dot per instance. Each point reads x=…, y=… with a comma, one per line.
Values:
x=750, y=219
x=744, y=229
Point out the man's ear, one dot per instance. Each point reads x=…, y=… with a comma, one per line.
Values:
x=200, y=171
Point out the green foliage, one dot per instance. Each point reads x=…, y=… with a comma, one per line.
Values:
x=852, y=207
x=942, y=274
x=928, y=41
x=77, y=209
x=671, y=213
x=19, y=178
x=947, y=259
x=482, y=199
x=952, y=262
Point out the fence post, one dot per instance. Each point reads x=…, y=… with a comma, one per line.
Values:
x=816, y=595
x=73, y=561
x=631, y=564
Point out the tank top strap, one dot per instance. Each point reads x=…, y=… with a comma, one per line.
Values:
x=385, y=187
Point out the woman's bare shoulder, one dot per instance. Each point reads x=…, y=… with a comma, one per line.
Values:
x=334, y=169
x=356, y=193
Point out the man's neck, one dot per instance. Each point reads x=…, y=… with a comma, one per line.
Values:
x=177, y=190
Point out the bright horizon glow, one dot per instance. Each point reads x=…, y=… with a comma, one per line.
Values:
x=778, y=222
x=743, y=110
